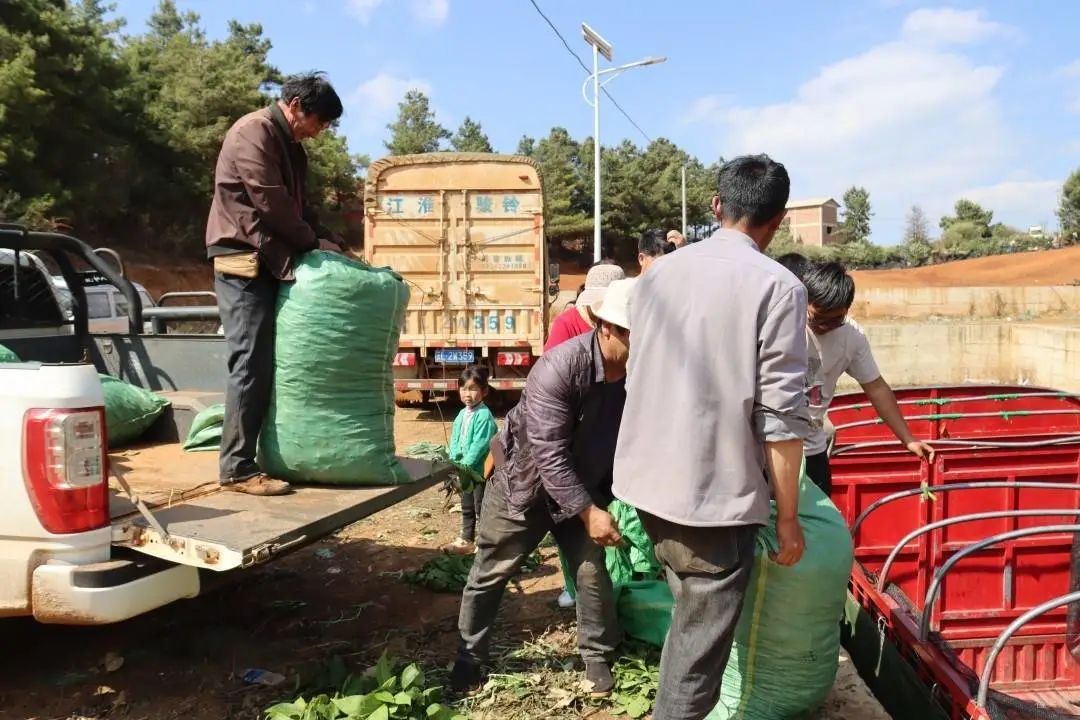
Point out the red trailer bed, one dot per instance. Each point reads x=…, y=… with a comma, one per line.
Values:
x=997, y=535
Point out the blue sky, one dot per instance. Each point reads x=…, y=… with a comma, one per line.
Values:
x=920, y=103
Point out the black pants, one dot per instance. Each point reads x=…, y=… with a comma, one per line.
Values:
x=708, y=571
x=817, y=469
x=247, y=319
x=504, y=541
x=471, y=504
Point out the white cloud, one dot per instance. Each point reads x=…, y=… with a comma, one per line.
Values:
x=1020, y=203
x=1071, y=73
x=432, y=12
x=362, y=10
x=945, y=26
x=375, y=101
x=911, y=122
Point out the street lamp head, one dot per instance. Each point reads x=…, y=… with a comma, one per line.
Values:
x=593, y=38
x=653, y=60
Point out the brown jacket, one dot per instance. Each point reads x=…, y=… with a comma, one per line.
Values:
x=258, y=198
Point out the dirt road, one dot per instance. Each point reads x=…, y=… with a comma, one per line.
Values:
x=342, y=598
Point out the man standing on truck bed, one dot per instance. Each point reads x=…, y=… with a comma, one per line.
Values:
x=723, y=376
x=258, y=223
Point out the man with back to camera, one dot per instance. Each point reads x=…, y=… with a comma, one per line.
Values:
x=259, y=222
x=719, y=362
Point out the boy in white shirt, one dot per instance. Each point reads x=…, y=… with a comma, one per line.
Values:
x=836, y=345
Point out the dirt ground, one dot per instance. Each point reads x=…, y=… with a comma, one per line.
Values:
x=342, y=597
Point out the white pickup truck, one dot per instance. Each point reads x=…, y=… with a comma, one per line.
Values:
x=88, y=537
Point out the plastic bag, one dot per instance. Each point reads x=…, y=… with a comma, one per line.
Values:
x=331, y=415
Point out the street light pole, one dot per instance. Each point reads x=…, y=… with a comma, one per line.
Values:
x=596, y=150
x=684, y=202
x=600, y=46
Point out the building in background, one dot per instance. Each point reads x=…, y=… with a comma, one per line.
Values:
x=814, y=221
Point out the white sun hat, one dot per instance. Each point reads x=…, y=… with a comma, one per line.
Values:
x=615, y=307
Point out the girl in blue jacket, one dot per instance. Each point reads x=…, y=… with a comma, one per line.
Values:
x=470, y=440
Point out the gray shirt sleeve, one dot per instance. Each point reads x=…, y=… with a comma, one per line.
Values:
x=780, y=406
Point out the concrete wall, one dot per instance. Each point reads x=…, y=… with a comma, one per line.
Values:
x=1020, y=303
x=951, y=353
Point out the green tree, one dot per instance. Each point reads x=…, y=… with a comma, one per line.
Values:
x=857, y=213
x=916, y=249
x=1069, y=208
x=526, y=146
x=415, y=130
x=559, y=159
x=64, y=131
x=334, y=178
x=969, y=212
x=470, y=137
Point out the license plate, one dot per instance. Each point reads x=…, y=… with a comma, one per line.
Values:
x=455, y=357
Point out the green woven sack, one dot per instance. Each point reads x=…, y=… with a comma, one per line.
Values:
x=331, y=416
x=787, y=642
x=8, y=355
x=129, y=410
x=633, y=560
x=644, y=609
x=205, y=432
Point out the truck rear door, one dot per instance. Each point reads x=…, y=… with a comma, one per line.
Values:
x=191, y=521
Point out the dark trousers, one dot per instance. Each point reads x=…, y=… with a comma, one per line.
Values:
x=247, y=320
x=471, y=504
x=708, y=570
x=503, y=542
x=819, y=472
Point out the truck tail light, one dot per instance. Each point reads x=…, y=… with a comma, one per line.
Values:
x=406, y=359
x=513, y=359
x=65, y=468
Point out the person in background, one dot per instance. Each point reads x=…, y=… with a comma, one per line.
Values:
x=795, y=263
x=837, y=345
x=652, y=246
x=553, y=474
x=470, y=438
x=676, y=238
x=577, y=320
x=722, y=377
x=259, y=222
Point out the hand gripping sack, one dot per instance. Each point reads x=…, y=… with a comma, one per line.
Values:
x=787, y=642
x=331, y=416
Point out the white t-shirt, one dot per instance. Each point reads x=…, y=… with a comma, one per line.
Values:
x=844, y=350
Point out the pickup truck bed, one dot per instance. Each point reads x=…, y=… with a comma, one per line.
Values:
x=210, y=528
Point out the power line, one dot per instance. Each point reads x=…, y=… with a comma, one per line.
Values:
x=587, y=70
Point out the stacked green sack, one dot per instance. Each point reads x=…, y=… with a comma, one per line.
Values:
x=7, y=355
x=787, y=642
x=205, y=432
x=129, y=410
x=331, y=417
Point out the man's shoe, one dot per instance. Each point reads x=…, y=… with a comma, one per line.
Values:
x=258, y=485
x=598, y=679
x=466, y=677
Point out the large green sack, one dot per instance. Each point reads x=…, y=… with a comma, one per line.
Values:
x=632, y=561
x=331, y=416
x=129, y=410
x=787, y=642
x=7, y=355
x=205, y=432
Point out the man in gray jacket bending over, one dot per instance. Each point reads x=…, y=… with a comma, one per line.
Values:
x=719, y=366
x=555, y=476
